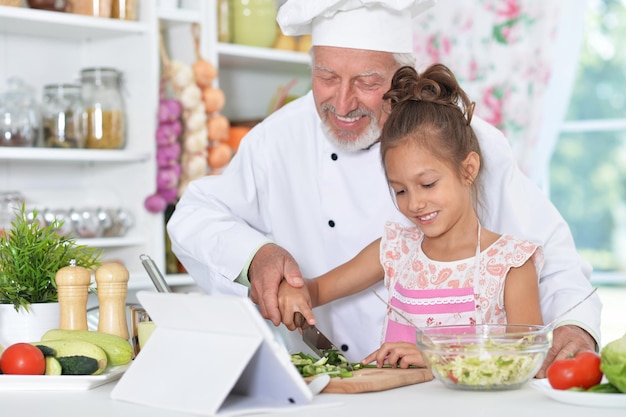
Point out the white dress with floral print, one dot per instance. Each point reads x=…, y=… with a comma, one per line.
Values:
x=430, y=293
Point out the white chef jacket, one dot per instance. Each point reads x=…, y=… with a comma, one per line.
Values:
x=289, y=185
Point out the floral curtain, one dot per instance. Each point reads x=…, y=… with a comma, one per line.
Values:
x=503, y=53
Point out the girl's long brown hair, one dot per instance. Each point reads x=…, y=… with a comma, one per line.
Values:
x=431, y=111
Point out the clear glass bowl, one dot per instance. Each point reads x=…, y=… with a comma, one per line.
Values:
x=484, y=357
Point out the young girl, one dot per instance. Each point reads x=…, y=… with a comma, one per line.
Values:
x=446, y=269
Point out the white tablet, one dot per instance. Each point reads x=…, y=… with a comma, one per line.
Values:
x=211, y=355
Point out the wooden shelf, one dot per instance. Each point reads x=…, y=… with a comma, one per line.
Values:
x=44, y=47
x=42, y=23
x=175, y=17
x=111, y=242
x=71, y=155
x=232, y=55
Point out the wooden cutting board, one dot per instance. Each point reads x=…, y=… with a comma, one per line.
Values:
x=377, y=379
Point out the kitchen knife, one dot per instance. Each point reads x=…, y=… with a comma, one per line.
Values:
x=313, y=338
x=155, y=275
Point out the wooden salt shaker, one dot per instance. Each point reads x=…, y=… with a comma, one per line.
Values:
x=112, y=283
x=73, y=290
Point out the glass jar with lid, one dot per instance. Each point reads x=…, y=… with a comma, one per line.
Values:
x=98, y=8
x=104, y=108
x=62, y=116
x=19, y=115
x=124, y=9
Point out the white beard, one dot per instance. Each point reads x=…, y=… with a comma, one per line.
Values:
x=347, y=142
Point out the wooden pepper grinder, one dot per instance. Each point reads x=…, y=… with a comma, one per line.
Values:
x=73, y=290
x=112, y=282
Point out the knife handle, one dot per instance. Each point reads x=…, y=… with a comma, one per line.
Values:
x=299, y=319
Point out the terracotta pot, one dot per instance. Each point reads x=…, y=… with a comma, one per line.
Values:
x=27, y=326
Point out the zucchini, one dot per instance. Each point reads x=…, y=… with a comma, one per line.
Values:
x=53, y=367
x=65, y=348
x=119, y=351
x=78, y=365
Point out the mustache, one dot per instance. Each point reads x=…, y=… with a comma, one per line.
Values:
x=359, y=112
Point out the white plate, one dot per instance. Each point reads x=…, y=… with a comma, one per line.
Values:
x=59, y=382
x=591, y=399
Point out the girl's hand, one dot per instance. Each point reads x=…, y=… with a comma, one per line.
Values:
x=292, y=300
x=396, y=355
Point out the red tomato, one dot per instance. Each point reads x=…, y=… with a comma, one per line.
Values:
x=23, y=359
x=581, y=371
x=452, y=378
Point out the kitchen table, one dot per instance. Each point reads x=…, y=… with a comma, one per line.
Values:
x=430, y=398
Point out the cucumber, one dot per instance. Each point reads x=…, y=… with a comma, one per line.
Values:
x=65, y=348
x=46, y=351
x=78, y=365
x=119, y=351
x=53, y=367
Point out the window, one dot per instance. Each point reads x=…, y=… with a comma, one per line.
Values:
x=588, y=165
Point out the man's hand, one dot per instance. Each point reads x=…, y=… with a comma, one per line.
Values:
x=566, y=341
x=270, y=265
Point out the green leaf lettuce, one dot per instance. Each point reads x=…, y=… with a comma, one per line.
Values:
x=613, y=363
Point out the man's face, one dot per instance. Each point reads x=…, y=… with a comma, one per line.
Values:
x=348, y=87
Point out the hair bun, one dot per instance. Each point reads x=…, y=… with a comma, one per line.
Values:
x=437, y=84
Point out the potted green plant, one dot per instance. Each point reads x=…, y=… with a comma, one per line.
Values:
x=31, y=253
x=30, y=256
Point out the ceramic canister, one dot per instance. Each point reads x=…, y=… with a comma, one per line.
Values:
x=253, y=22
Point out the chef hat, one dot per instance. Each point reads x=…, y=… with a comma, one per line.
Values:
x=378, y=25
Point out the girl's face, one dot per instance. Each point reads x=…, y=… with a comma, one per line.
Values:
x=429, y=191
